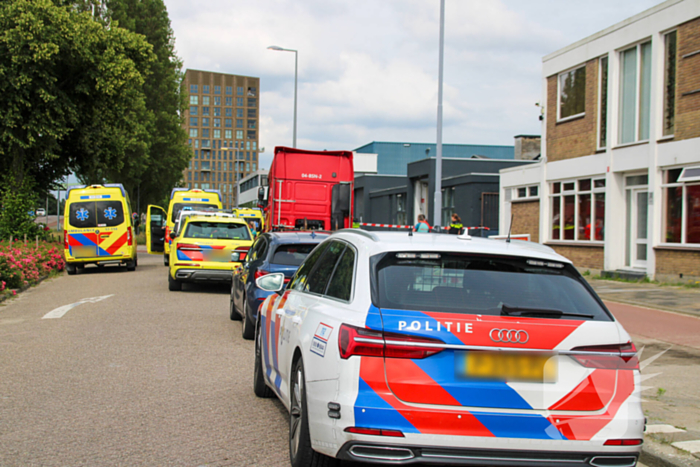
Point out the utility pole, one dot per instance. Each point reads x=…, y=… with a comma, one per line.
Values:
x=437, y=207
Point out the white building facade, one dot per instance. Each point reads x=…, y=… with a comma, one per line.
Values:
x=618, y=185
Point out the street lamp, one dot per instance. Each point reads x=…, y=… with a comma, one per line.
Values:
x=280, y=49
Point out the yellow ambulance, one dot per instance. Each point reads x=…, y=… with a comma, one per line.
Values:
x=159, y=224
x=97, y=227
x=255, y=214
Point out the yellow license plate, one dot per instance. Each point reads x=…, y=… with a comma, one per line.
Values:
x=510, y=366
x=84, y=251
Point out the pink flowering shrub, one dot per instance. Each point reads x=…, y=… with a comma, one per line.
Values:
x=25, y=264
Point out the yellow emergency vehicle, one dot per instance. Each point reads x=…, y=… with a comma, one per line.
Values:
x=159, y=224
x=207, y=246
x=97, y=227
x=252, y=213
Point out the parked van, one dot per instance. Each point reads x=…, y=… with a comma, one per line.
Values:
x=159, y=224
x=98, y=228
x=255, y=214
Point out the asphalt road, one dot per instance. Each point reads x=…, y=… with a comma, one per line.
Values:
x=136, y=376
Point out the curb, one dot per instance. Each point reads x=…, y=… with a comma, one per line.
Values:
x=22, y=289
x=650, y=306
x=655, y=454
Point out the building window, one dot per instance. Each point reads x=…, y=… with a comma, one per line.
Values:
x=196, y=154
x=193, y=89
x=526, y=192
x=217, y=134
x=205, y=89
x=205, y=132
x=572, y=93
x=196, y=177
x=635, y=93
x=252, y=113
x=239, y=101
x=217, y=90
x=603, y=104
x=229, y=90
x=448, y=205
x=217, y=123
x=193, y=121
x=217, y=101
x=228, y=134
x=228, y=123
x=239, y=113
x=217, y=111
x=194, y=100
x=251, y=124
x=205, y=110
x=670, y=84
x=239, y=123
x=682, y=205
x=196, y=143
x=193, y=132
x=206, y=143
x=239, y=91
x=205, y=100
x=189, y=175
x=205, y=121
x=252, y=102
x=254, y=166
x=239, y=134
x=251, y=134
x=401, y=209
x=228, y=112
x=578, y=210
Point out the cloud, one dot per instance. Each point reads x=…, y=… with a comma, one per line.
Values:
x=368, y=70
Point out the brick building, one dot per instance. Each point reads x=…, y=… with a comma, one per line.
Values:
x=223, y=124
x=618, y=184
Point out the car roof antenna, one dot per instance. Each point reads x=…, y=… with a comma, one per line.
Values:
x=510, y=228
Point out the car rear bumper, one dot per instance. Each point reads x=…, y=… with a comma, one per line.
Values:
x=204, y=275
x=390, y=454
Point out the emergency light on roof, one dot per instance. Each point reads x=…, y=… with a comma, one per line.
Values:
x=195, y=190
x=106, y=185
x=545, y=264
x=418, y=255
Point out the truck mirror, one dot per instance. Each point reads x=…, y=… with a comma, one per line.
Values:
x=261, y=194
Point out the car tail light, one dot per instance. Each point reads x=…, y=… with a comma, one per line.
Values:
x=167, y=233
x=65, y=239
x=260, y=273
x=369, y=343
x=243, y=250
x=188, y=247
x=623, y=442
x=374, y=431
x=611, y=357
x=129, y=236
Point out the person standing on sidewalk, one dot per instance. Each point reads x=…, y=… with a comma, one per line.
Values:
x=422, y=225
x=456, y=227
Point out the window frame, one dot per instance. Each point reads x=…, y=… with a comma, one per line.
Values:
x=637, y=93
x=603, y=125
x=561, y=119
x=684, y=207
x=664, y=106
x=515, y=195
x=576, y=192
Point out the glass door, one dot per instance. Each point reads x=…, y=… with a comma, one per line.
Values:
x=638, y=221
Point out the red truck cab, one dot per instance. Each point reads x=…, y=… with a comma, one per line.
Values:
x=309, y=190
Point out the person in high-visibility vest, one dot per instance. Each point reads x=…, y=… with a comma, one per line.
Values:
x=456, y=227
x=422, y=225
x=355, y=224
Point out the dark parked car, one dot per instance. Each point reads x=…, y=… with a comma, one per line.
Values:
x=271, y=252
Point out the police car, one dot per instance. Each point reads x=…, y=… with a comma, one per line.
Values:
x=443, y=349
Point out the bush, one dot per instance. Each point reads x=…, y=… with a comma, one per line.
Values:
x=17, y=200
x=24, y=265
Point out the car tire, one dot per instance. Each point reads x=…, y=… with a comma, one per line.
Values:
x=301, y=454
x=247, y=327
x=174, y=285
x=166, y=260
x=131, y=265
x=233, y=314
x=71, y=269
x=259, y=387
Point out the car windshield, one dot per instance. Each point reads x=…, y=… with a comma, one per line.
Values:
x=217, y=230
x=293, y=254
x=486, y=285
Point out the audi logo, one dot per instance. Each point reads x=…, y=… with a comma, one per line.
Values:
x=513, y=336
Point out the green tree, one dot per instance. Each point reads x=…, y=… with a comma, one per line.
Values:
x=168, y=150
x=71, y=90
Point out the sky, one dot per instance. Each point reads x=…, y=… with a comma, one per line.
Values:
x=368, y=69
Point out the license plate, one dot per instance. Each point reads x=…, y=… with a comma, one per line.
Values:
x=84, y=251
x=508, y=366
x=219, y=256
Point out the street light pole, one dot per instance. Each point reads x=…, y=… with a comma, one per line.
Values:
x=296, y=54
x=437, y=207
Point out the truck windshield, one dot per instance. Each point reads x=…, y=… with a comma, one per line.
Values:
x=486, y=285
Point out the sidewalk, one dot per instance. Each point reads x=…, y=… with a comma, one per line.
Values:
x=669, y=344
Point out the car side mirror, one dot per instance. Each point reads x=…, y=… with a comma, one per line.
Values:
x=173, y=234
x=271, y=282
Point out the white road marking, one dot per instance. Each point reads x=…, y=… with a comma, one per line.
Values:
x=62, y=310
x=663, y=429
x=690, y=446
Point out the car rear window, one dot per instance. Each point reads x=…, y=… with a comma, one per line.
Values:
x=177, y=207
x=486, y=285
x=88, y=214
x=217, y=230
x=293, y=254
